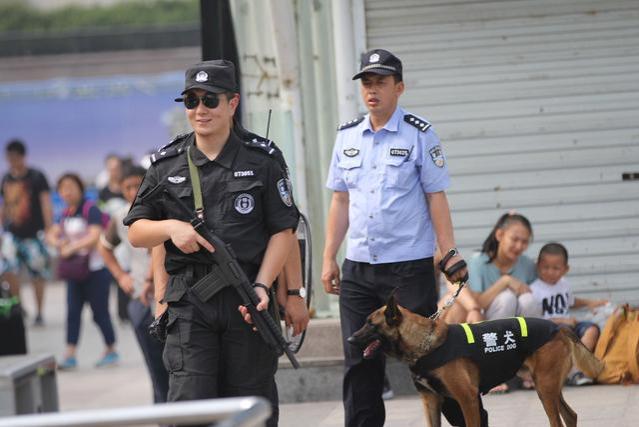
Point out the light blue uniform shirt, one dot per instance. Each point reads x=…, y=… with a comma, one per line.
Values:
x=481, y=276
x=386, y=174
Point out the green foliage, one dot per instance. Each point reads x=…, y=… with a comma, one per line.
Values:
x=17, y=16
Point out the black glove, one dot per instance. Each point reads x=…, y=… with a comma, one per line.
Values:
x=157, y=328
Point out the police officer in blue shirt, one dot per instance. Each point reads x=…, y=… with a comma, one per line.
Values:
x=388, y=174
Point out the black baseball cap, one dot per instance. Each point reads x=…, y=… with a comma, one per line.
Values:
x=217, y=76
x=379, y=61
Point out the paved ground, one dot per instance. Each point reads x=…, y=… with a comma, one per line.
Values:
x=128, y=384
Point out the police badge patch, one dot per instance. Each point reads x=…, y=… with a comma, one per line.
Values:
x=285, y=192
x=437, y=156
x=351, y=152
x=244, y=203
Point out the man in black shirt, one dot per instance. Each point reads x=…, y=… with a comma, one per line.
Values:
x=26, y=213
x=246, y=200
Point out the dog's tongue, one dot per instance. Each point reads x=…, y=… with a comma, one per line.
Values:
x=370, y=350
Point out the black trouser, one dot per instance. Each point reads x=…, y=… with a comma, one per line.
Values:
x=141, y=318
x=211, y=352
x=365, y=288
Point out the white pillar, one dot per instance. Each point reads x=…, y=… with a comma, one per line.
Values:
x=285, y=36
x=346, y=59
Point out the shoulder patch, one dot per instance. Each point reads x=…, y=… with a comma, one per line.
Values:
x=258, y=142
x=165, y=153
x=171, y=149
x=351, y=123
x=420, y=124
x=178, y=138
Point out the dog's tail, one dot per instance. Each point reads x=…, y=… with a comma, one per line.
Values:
x=581, y=356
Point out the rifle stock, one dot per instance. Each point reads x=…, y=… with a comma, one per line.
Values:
x=232, y=273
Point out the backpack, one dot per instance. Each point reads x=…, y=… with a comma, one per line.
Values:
x=618, y=347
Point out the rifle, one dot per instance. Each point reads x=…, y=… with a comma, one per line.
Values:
x=229, y=270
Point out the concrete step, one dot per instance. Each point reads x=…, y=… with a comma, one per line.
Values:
x=322, y=368
x=320, y=379
x=323, y=339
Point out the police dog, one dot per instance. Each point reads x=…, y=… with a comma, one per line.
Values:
x=546, y=350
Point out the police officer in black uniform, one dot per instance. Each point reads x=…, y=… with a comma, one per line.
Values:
x=210, y=350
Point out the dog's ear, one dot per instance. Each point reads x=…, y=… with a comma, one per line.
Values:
x=392, y=314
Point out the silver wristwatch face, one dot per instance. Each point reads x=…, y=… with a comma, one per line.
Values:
x=301, y=292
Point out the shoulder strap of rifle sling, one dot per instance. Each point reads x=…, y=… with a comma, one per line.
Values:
x=195, y=183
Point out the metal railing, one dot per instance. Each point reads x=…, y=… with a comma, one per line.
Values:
x=229, y=412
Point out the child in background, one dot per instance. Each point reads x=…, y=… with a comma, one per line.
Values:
x=552, y=290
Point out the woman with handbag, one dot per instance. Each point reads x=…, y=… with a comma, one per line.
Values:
x=76, y=237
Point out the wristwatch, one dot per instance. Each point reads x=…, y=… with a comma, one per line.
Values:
x=452, y=252
x=301, y=292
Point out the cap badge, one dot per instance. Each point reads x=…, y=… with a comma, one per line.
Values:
x=374, y=58
x=202, y=76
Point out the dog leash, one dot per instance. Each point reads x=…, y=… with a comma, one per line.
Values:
x=450, y=301
x=452, y=270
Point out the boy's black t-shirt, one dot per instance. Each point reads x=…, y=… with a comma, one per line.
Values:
x=22, y=210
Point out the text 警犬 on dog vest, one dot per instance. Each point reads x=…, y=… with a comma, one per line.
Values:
x=498, y=347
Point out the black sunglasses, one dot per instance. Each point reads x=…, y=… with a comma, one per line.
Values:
x=191, y=100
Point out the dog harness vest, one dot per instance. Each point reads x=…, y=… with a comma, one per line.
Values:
x=497, y=347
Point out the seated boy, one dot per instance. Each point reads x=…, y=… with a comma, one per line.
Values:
x=552, y=290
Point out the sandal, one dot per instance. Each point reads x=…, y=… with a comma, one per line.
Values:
x=500, y=389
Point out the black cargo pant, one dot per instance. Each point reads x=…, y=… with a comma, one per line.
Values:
x=211, y=352
x=365, y=288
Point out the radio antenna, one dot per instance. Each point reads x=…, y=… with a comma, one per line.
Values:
x=268, y=122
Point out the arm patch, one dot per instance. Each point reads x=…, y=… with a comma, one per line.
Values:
x=351, y=123
x=420, y=124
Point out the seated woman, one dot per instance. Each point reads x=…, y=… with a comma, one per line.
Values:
x=501, y=273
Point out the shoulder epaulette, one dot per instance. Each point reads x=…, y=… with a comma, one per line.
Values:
x=350, y=124
x=258, y=142
x=171, y=149
x=420, y=124
x=178, y=138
